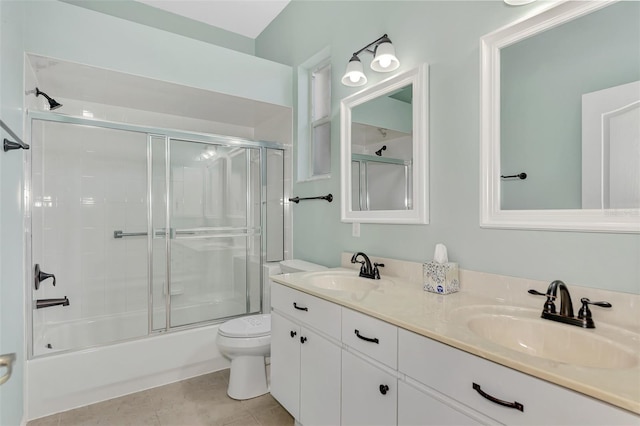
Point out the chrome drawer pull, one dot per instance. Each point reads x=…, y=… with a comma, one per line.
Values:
x=368, y=339
x=495, y=400
x=299, y=308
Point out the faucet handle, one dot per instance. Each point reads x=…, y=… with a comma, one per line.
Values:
x=548, y=305
x=585, y=312
x=586, y=301
x=376, y=272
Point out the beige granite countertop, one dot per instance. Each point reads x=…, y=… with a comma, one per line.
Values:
x=403, y=302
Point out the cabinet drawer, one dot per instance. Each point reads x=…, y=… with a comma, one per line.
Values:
x=317, y=313
x=374, y=338
x=453, y=373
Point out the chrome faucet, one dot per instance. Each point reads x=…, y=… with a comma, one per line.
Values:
x=366, y=269
x=565, y=316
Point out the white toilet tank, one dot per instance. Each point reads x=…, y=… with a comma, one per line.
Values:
x=297, y=265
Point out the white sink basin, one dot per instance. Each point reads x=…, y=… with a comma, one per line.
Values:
x=524, y=331
x=344, y=281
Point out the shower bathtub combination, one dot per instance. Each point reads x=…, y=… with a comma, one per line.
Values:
x=140, y=242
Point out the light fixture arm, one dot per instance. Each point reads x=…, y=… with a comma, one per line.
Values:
x=384, y=38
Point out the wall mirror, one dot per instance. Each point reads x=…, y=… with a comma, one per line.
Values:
x=383, y=151
x=561, y=105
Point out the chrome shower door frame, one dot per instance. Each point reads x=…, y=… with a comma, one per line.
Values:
x=151, y=132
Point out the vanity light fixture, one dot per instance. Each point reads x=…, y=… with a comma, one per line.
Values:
x=384, y=60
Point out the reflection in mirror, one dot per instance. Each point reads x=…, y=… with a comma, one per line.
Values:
x=381, y=152
x=561, y=103
x=384, y=146
x=560, y=90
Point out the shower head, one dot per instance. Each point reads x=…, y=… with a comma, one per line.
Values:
x=379, y=152
x=53, y=104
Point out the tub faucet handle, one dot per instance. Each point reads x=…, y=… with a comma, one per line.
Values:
x=39, y=276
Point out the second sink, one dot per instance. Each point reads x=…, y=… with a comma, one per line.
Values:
x=524, y=331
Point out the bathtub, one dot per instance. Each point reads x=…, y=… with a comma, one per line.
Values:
x=62, y=380
x=65, y=381
x=63, y=336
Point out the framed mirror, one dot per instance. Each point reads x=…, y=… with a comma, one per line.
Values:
x=560, y=120
x=384, y=151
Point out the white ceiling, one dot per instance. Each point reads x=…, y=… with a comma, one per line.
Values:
x=246, y=17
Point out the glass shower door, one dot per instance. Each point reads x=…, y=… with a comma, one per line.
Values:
x=215, y=230
x=88, y=192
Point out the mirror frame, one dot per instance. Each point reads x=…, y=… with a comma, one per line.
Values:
x=418, y=77
x=491, y=214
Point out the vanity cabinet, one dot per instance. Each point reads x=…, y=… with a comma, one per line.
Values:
x=305, y=360
x=324, y=373
x=464, y=378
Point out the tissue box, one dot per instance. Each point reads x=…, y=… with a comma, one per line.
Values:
x=441, y=278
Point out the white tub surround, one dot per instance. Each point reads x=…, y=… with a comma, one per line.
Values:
x=62, y=382
x=403, y=302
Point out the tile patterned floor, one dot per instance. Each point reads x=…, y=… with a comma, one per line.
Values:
x=198, y=401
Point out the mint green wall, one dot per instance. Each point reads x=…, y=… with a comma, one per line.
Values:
x=384, y=112
x=543, y=79
x=446, y=35
x=11, y=236
x=144, y=14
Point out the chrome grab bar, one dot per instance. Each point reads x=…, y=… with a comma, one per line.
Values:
x=224, y=232
x=122, y=234
x=7, y=361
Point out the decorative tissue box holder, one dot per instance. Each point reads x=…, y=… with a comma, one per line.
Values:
x=441, y=278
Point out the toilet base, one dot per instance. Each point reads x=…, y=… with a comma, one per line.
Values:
x=248, y=377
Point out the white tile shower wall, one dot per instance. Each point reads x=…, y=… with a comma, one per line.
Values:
x=274, y=202
x=87, y=183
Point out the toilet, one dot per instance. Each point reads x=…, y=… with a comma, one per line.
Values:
x=246, y=341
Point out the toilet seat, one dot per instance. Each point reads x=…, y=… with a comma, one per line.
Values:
x=247, y=327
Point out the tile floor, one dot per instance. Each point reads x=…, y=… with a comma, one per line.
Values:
x=198, y=401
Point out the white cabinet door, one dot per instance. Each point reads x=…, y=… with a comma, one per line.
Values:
x=369, y=394
x=418, y=408
x=285, y=363
x=319, y=380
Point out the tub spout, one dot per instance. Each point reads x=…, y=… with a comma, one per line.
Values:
x=47, y=303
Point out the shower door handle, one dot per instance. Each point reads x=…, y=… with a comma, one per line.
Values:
x=7, y=361
x=39, y=276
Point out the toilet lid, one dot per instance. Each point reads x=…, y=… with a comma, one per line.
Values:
x=250, y=326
